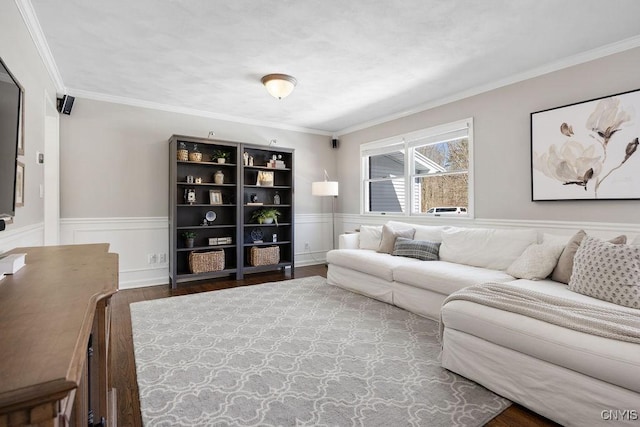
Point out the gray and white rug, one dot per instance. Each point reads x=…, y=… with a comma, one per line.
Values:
x=296, y=353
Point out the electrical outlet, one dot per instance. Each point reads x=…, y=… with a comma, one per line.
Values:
x=152, y=258
x=306, y=246
x=162, y=258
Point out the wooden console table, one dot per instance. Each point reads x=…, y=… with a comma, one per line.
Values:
x=54, y=338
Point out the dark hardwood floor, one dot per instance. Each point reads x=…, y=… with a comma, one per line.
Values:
x=123, y=369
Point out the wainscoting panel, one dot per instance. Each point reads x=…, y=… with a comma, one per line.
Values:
x=30, y=235
x=135, y=240
x=141, y=241
x=351, y=222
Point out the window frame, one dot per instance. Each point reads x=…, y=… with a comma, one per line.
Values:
x=408, y=142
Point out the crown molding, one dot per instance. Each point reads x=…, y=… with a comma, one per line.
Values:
x=567, y=62
x=35, y=30
x=97, y=96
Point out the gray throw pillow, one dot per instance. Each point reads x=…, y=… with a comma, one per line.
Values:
x=389, y=237
x=608, y=272
x=562, y=272
x=419, y=249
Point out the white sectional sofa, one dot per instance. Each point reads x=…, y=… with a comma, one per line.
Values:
x=572, y=377
x=419, y=286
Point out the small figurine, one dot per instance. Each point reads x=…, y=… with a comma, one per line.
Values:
x=250, y=160
x=245, y=156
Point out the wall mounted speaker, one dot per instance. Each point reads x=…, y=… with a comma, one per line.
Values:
x=65, y=104
x=335, y=143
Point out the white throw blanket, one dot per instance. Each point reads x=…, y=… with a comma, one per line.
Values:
x=621, y=323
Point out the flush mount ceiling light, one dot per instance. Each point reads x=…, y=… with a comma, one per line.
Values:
x=279, y=85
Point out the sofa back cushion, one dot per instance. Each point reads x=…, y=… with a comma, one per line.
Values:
x=607, y=271
x=488, y=248
x=389, y=235
x=431, y=233
x=370, y=237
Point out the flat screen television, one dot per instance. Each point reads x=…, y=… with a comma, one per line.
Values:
x=10, y=110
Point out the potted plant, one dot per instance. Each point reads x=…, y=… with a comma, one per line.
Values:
x=266, y=215
x=221, y=155
x=189, y=237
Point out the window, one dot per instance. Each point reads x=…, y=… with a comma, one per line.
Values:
x=428, y=171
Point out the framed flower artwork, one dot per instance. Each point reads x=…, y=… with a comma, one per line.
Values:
x=587, y=150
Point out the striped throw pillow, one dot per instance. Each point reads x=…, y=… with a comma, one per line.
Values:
x=419, y=249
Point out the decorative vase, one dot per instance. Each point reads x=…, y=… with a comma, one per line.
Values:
x=188, y=242
x=195, y=155
x=276, y=199
x=218, y=177
x=267, y=221
x=221, y=160
x=183, y=153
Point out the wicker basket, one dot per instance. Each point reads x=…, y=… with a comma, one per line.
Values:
x=195, y=157
x=183, y=155
x=202, y=262
x=264, y=256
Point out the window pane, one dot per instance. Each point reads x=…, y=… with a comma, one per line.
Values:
x=387, y=196
x=450, y=156
x=389, y=165
x=441, y=191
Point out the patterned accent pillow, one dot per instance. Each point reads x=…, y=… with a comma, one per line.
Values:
x=419, y=249
x=608, y=272
x=562, y=272
x=536, y=262
x=389, y=236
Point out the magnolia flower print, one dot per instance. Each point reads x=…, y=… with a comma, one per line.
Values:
x=571, y=163
x=577, y=163
x=607, y=119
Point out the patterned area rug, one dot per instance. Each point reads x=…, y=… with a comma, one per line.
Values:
x=298, y=352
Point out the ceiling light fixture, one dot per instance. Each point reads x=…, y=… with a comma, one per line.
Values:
x=279, y=85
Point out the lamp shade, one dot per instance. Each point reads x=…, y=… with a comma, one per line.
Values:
x=324, y=188
x=279, y=85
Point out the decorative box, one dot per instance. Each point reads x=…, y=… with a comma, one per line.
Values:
x=264, y=256
x=203, y=262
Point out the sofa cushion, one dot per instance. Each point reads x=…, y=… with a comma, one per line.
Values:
x=446, y=277
x=602, y=358
x=536, y=262
x=423, y=250
x=370, y=262
x=607, y=271
x=389, y=235
x=432, y=233
x=562, y=272
x=370, y=237
x=495, y=249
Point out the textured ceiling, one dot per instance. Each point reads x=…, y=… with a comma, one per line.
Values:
x=355, y=61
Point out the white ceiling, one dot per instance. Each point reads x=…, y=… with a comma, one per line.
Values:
x=355, y=61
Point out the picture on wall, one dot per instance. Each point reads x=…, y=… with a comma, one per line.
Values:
x=587, y=150
x=20, y=184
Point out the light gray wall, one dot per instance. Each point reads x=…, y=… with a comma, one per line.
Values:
x=114, y=158
x=21, y=57
x=502, y=141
